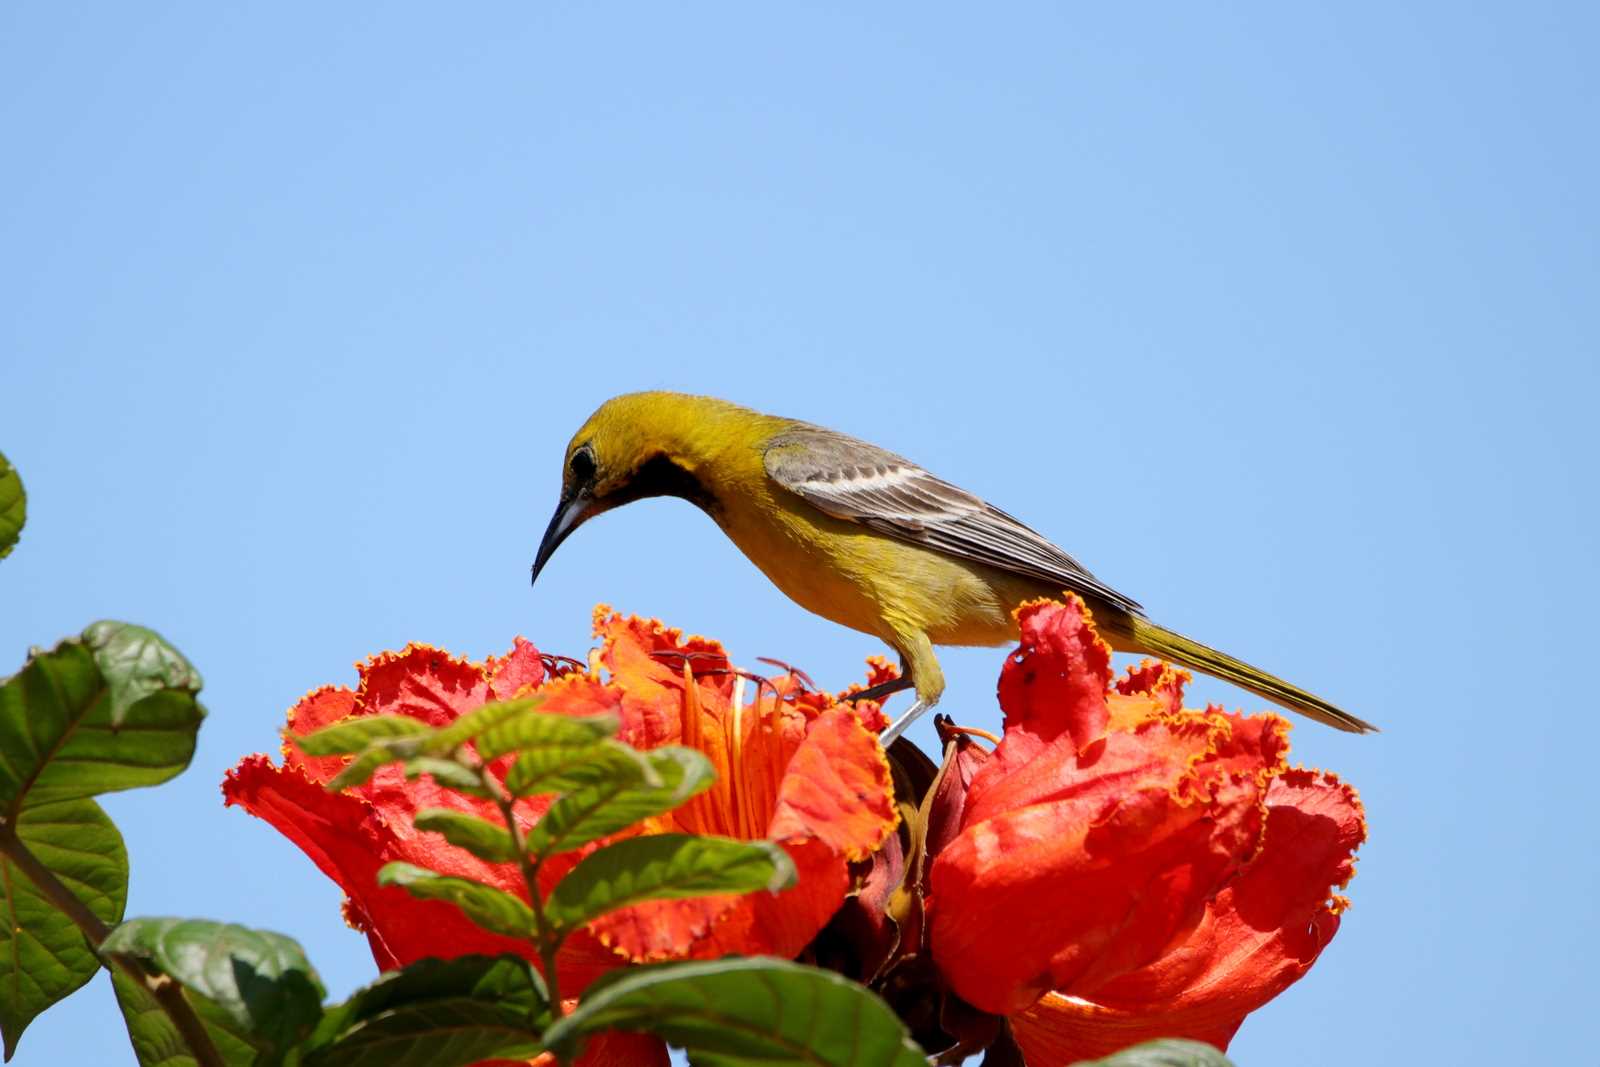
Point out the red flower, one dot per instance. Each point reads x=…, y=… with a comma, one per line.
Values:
x=793, y=767
x=801, y=771
x=1125, y=869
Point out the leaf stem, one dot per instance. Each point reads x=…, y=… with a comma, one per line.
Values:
x=548, y=940
x=167, y=993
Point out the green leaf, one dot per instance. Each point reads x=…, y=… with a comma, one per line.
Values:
x=436, y=1013
x=744, y=1012
x=594, y=811
x=493, y=909
x=136, y=663
x=261, y=980
x=353, y=735
x=111, y=710
x=484, y=839
x=480, y=719
x=561, y=770
x=531, y=729
x=375, y=755
x=447, y=773
x=60, y=738
x=663, y=866
x=156, y=1041
x=1168, y=1052
x=13, y=507
x=43, y=955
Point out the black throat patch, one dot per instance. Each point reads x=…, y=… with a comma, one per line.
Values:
x=659, y=476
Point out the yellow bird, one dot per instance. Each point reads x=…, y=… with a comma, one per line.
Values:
x=862, y=536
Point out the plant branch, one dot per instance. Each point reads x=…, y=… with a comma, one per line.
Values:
x=548, y=943
x=167, y=993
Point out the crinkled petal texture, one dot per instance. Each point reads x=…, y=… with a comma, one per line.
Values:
x=351, y=834
x=1262, y=932
x=793, y=767
x=1096, y=838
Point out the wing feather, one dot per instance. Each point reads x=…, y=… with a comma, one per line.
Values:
x=853, y=480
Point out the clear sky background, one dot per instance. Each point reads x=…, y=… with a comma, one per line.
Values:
x=1284, y=321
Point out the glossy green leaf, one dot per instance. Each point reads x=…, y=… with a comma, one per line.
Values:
x=354, y=734
x=745, y=1012
x=1168, y=1052
x=594, y=811
x=493, y=909
x=561, y=770
x=436, y=1013
x=261, y=980
x=43, y=955
x=662, y=866
x=484, y=839
x=157, y=1043
x=13, y=507
x=531, y=729
x=59, y=736
x=111, y=710
x=137, y=663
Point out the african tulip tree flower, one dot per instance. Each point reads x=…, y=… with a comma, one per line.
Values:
x=1124, y=869
x=794, y=768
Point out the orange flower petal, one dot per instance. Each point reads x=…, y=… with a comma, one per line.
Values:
x=1136, y=863
x=1138, y=819
x=837, y=788
x=517, y=672
x=350, y=837
x=652, y=685
x=422, y=682
x=1055, y=682
x=834, y=804
x=1260, y=935
x=318, y=708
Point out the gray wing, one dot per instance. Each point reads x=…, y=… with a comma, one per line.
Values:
x=850, y=479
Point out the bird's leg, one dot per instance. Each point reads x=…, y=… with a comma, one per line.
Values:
x=898, y=727
x=920, y=667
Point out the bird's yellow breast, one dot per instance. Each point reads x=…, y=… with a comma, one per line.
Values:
x=855, y=576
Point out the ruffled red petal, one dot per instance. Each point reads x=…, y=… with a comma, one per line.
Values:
x=350, y=837
x=318, y=708
x=1259, y=936
x=1138, y=819
x=1055, y=682
x=516, y=673
x=422, y=682
x=1136, y=863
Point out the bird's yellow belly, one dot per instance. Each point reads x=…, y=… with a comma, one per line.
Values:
x=873, y=583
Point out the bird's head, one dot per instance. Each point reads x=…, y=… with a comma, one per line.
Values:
x=634, y=446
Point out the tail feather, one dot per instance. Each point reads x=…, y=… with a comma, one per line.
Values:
x=1159, y=641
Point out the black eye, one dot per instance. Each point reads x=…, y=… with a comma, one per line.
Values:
x=582, y=464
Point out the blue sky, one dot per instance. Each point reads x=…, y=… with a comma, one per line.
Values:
x=1284, y=321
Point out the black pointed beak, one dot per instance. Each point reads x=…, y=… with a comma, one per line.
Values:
x=570, y=514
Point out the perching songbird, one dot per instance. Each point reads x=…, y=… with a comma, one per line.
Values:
x=862, y=536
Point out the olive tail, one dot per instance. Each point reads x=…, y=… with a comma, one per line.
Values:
x=1159, y=641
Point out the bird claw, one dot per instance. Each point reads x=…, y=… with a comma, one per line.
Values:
x=794, y=672
x=723, y=668
x=557, y=665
